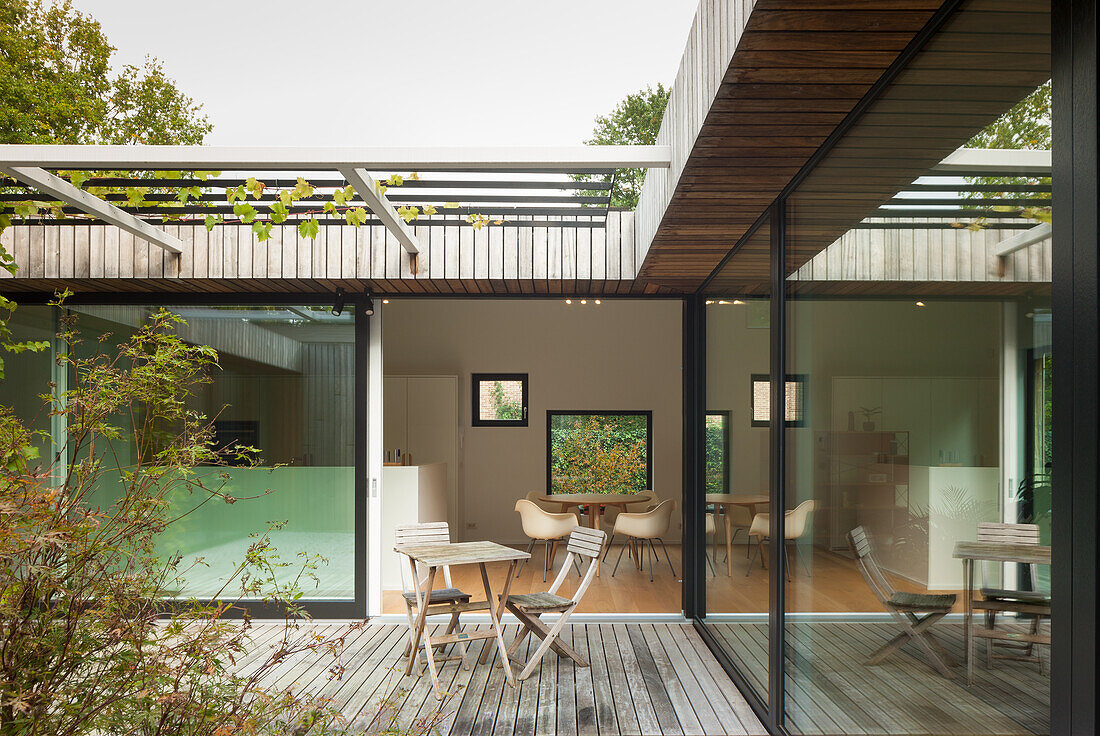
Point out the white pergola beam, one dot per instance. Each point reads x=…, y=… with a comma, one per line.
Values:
x=256, y=158
x=996, y=162
x=1019, y=241
x=54, y=186
x=369, y=190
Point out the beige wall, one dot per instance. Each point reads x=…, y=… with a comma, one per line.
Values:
x=618, y=355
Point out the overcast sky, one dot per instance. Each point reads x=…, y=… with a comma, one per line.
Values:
x=368, y=73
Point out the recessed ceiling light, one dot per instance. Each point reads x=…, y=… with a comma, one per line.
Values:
x=568, y=301
x=710, y=301
x=920, y=304
x=738, y=301
x=584, y=301
x=597, y=301
x=385, y=301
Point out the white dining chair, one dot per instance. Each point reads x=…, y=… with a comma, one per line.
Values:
x=545, y=526
x=796, y=523
x=645, y=527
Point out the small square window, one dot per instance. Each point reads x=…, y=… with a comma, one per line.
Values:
x=500, y=399
x=794, y=401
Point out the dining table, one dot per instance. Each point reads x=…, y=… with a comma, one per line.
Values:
x=437, y=555
x=971, y=552
x=751, y=501
x=594, y=503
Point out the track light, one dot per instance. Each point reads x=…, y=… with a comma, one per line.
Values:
x=368, y=308
x=338, y=305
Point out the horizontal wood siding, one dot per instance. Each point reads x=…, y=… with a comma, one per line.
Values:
x=513, y=259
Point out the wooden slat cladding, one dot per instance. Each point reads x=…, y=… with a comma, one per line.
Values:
x=796, y=70
x=454, y=260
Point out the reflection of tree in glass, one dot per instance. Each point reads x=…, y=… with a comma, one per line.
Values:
x=504, y=407
x=714, y=441
x=598, y=453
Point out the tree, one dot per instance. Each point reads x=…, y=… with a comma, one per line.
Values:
x=1025, y=125
x=636, y=120
x=57, y=85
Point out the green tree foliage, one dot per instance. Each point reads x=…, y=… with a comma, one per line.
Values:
x=1026, y=125
x=634, y=121
x=503, y=407
x=598, y=453
x=714, y=441
x=57, y=84
x=86, y=647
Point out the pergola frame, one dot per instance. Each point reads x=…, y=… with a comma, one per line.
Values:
x=31, y=165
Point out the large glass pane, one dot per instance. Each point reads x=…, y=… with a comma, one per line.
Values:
x=27, y=375
x=284, y=385
x=918, y=291
x=737, y=450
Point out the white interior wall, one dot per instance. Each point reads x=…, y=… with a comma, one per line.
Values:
x=621, y=354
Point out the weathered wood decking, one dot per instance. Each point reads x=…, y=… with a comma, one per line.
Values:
x=643, y=679
x=830, y=690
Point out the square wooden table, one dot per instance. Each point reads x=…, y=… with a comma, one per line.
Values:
x=437, y=555
x=969, y=552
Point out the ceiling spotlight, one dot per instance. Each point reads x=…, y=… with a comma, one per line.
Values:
x=597, y=301
x=920, y=304
x=738, y=301
x=722, y=301
x=385, y=301
x=568, y=301
x=338, y=304
x=710, y=301
x=584, y=301
x=368, y=308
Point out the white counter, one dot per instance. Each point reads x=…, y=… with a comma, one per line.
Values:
x=411, y=494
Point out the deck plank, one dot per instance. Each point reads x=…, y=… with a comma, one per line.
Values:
x=643, y=680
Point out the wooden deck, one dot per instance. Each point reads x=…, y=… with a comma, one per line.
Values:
x=643, y=679
x=831, y=691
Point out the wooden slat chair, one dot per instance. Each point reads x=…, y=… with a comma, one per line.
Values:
x=906, y=608
x=1001, y=600
x=529, y=607
x=448, y=600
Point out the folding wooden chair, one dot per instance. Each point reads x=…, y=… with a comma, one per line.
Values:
x=1001, y=600
x=441, y=601
x=529, y=607
x=906, y=608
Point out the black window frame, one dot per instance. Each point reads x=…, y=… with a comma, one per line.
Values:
x=800, y=378
x=476, y=379
x=647, y=413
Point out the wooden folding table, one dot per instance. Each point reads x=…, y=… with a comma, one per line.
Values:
x=434, y=556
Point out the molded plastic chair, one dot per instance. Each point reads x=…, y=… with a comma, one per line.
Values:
x=529, y=607
x=440, y=601
x=795, y=524
x=709, y=527
x=646, y=500
x=904, y=607
x=546, y=526
x=645, y=527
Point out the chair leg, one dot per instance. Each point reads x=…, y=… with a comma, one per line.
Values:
x=618, y=560
x=711, y=566
x=802, y=557
x=752, y=558
x=651, y=553
x=523, y=562
x=607, y=551
x=787, y=561
x=667, y=558
x=545, y=558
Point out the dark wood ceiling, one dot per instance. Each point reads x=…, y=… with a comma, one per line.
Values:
x=798, y=70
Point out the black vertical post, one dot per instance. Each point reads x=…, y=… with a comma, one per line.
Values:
x=1076, y=380
x=362, y=469
x=694, y=395
x=777, y=412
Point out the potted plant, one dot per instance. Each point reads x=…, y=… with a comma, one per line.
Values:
x=869, y=417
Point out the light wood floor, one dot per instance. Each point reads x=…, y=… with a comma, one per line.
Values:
x=834, y=587
x=830, y=690
x=643, y=679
